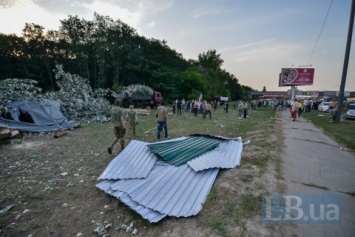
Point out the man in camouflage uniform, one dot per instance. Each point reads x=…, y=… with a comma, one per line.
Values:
x=117, y=119
x=132, y=120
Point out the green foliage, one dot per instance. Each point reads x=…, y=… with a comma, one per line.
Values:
x=193, y=82
x=110, y=54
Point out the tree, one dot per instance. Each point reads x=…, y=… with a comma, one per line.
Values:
x=264, y=89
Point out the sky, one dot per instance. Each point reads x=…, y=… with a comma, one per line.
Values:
x=255, y=38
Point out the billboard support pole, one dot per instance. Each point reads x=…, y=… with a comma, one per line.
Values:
x=293, y=92
x=346, y=62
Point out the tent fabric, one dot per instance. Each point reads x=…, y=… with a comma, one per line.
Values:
x=46, y=117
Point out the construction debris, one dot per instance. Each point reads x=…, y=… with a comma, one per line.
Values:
x=7, y=133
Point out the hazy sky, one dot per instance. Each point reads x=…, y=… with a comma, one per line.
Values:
x=255, y=38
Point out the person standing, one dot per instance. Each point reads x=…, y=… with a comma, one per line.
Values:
x=226, y=106
x=195, y=108
x=207, y=109
x=132, y=120
x=174, y=107
x=179, y=105
x=294, y=110
x=117, y=119
x=240, y=109
x=162, y=116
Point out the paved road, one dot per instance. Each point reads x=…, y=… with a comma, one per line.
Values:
x=313, y=164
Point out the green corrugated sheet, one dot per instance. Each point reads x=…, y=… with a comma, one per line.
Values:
x=180, y=152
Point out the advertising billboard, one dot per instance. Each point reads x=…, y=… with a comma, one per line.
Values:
x=296, y=77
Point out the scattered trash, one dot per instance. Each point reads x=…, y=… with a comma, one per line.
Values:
x=100, y=230
x=79, y=234
x=25, y=211
x=343, y=148
x=134, y=232
x=33, y=157
x=246, y=142
x=320, y=115
x=6, y=209
x=65, y=205
x=64, y=174
x=60, y=134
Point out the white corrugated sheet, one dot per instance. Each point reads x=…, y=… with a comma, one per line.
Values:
x=134, y=162
x=226, y=156
x=146, y=213
x=174, y=191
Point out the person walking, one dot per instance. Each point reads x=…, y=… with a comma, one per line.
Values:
x=162, y=116
x=300, y=108
x=294, y=110
x=117, y=119
x=132, y=120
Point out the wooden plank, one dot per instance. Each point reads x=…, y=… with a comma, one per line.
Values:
x=15, y=133
x=5, y=133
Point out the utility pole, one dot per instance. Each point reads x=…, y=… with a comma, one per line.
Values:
x=346, y=62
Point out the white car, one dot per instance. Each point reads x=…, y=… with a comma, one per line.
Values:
x=324, y=106
x=350, y=114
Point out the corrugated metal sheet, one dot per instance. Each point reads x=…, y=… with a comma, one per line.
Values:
x=134, y=162
x=146, y=213
x=155, y=189
x=227, y=155
x=174, y=191
x=180, y=152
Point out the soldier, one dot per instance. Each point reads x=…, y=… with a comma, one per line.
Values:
x=132, y=120
x=117, y=119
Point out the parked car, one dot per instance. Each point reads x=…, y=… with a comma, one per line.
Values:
x=350, y=114
x=324, y=106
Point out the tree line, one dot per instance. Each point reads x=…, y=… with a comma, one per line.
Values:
x=111, y=54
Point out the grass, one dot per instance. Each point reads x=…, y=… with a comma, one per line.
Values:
x=342, y=132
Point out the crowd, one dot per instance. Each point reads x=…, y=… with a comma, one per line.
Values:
x=204, y=109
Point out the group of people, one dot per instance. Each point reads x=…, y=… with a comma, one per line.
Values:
x=297, y=107
x=119, y=118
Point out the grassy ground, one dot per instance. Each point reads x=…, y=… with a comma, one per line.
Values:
x=342, y=132
x=51, y=181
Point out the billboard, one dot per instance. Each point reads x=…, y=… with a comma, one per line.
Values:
x=296, y=77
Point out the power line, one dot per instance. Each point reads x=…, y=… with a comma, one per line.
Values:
x=315, y=45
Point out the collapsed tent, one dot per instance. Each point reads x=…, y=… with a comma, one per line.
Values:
x=155, y=186
x=34, y=116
